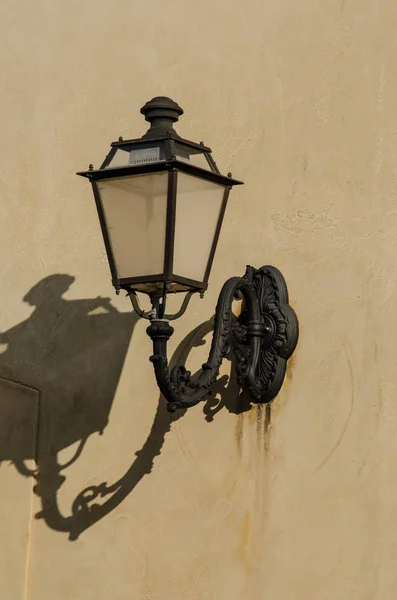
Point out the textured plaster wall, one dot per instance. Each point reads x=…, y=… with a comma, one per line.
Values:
x=299, y=502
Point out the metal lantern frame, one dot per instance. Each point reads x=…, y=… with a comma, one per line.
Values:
x=166, y=138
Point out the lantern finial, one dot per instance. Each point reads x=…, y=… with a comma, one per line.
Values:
x=161, y=112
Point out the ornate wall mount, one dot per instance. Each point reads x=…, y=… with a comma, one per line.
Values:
x=262, y=338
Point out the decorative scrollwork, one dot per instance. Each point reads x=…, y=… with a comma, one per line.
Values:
x=262, y=338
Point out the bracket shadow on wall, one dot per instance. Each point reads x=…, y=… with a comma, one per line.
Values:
x=161, y=201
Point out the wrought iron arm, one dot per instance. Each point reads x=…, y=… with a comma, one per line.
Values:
x=263, y=337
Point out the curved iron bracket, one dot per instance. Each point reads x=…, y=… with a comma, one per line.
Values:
x=262, y=338
x=150, y=314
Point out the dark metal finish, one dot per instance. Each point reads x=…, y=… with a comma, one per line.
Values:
x=149, y=313
x=170, y=136
x=212, y=163
x=217, y=233
x=162, y=113
x=131, y=282
x=263, y=337
x=108, y=158
x=136, y=306
x=158, y=167
x=169, y=147
x=183, y=308
x=170, y=226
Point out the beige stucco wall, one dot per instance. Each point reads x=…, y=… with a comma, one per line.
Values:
x=299, y=502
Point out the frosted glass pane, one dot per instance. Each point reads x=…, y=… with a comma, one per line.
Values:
x=198, y=206
x=192, y=156
x=137, y=154
x=120, y=159
x=135, y=211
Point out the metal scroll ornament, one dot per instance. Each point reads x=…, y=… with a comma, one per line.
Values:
x=262, y=339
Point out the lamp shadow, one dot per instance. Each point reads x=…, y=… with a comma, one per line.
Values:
x=95, y=502
x=73, y=352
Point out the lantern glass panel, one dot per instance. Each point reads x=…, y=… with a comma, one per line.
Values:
x=137, y=154
x=120, y=159
x=135, y=210
x=198, y=206
x=191, y=155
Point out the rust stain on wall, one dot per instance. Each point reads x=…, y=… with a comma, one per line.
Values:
x=260, y=417
x=290, y=368
x=238, y=432
x=267, y=425
x=245, y=534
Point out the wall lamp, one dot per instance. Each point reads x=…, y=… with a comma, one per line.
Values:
x=161, y=201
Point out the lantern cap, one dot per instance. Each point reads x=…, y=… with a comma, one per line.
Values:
x=162, y=113
x=159, y=149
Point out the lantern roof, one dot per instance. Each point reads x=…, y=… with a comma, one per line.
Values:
x=159, y=149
